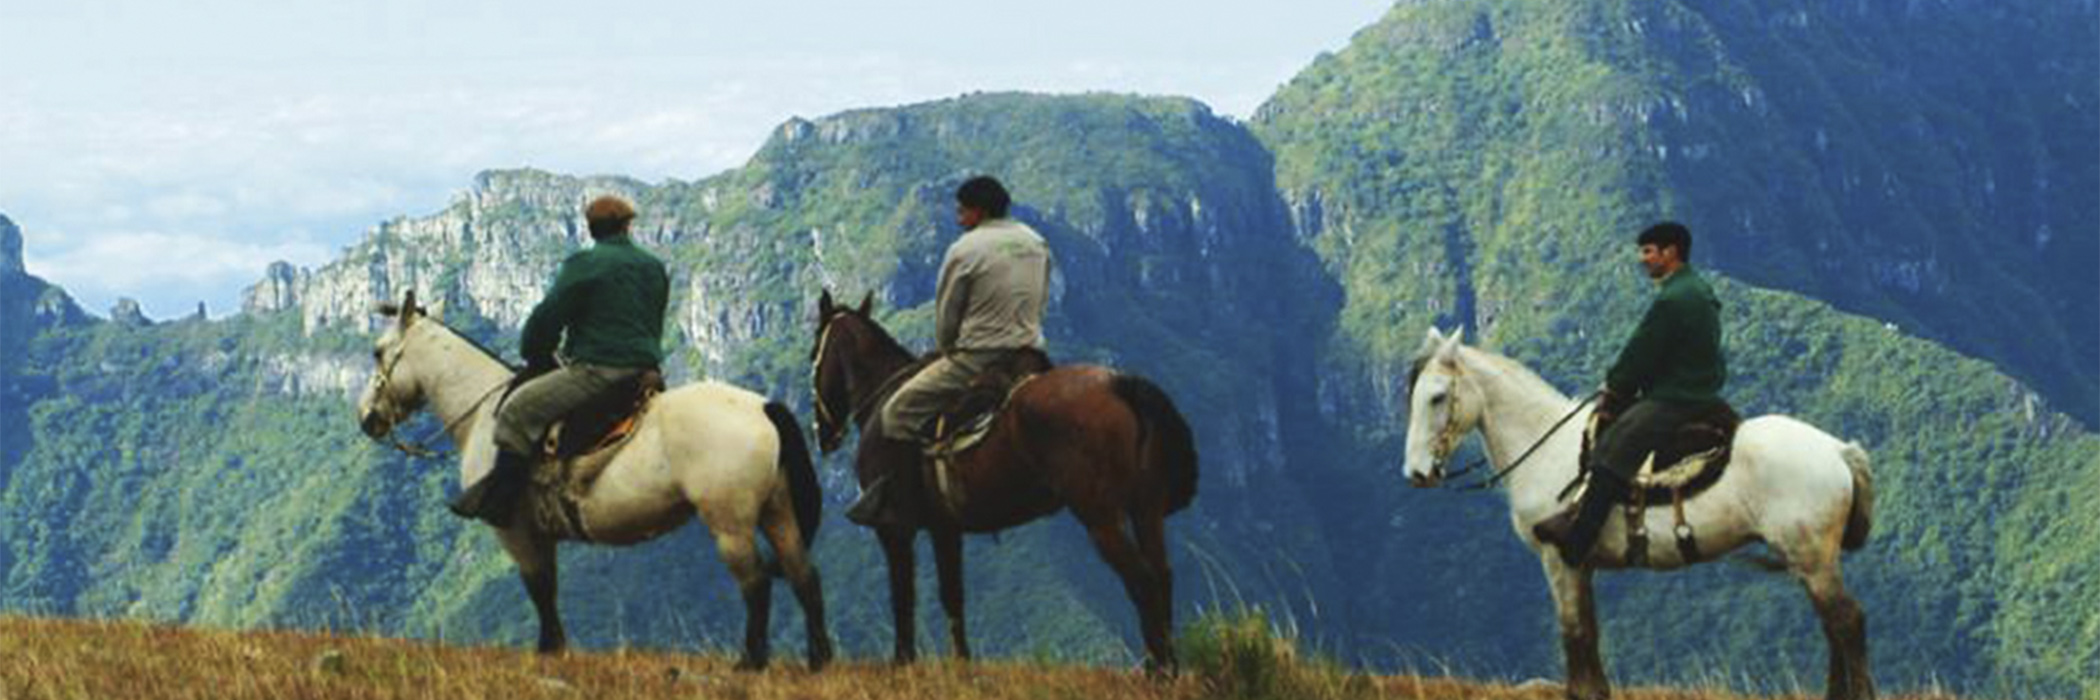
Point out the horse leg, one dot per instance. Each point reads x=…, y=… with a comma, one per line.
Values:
x=740, y=551
x=801, y=573
x=947, y=558
x=1844, y=626
x=534, y=555
x=1151, y=527
x=1576, y=603
x=1115, y=547
x=897, y=551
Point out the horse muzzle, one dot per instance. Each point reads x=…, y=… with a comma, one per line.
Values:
x=1428, y=479
x=375, y=425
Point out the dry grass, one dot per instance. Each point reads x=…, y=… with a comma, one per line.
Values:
x=71, y=659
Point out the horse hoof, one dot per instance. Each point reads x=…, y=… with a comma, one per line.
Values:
x=819, y=659
x=751, y=665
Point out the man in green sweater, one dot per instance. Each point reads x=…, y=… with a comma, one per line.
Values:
x=1671, y=370
x=606, y=315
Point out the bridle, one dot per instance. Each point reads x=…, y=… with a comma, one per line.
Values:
x=860, y=410
x=1447, y=438
x=816, y=376
x=421, y=449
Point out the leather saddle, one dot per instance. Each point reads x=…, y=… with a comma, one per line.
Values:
x=971, y=414
x=606, y=420
x=1690, y=461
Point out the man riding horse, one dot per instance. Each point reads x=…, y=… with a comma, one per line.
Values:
x=993, y=287
x=606, y=315
x=1671, y=371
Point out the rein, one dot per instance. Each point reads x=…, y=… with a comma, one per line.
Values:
x=865, y=407
x=421, y=449
x=1504, y=472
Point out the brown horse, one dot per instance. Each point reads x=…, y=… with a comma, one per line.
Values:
x=1109, y=446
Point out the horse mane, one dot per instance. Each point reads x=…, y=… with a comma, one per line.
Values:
x=1505, y=366
x=1514, y=370
x=882, y=335
x=471, y=342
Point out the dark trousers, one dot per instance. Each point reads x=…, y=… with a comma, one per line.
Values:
x=1645, y=428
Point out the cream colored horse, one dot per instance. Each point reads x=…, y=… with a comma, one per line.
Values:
x=1803, y=493
x=708, y=448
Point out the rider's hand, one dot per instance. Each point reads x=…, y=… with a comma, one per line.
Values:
x=1609, y=405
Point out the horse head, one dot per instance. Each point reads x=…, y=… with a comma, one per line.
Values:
x=395, y=390
x=835, y=372
x=1444, y=405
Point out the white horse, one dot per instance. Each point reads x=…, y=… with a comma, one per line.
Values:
x=725, y=453
x=1802, y=492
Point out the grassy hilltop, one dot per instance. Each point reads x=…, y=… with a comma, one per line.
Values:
x=1227, y=658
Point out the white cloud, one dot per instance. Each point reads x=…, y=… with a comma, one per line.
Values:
x=170, y=271
x=175, y=158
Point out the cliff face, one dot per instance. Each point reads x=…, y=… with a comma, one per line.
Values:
x=28, y=305
x=491, y=251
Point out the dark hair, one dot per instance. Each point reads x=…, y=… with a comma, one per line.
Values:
x=1669, y=233
x=984, y=194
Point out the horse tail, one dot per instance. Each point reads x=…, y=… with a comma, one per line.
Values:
x=1860, y=521
x=801, y=473
x=1162, y=429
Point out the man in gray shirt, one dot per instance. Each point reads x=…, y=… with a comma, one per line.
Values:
x=994, y=284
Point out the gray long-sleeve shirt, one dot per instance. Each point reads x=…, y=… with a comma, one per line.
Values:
x=994, y=285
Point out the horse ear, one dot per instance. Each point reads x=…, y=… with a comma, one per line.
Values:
x=1432, y=341
x=824, y=304
x=436, y=311
x=1448, y=352
x=409, y=310
x=867, y=303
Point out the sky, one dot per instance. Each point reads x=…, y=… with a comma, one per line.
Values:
x=168, y=152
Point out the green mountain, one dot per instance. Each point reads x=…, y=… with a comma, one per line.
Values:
x=1485, y=163
x=1927, y=164
x=1476, y=163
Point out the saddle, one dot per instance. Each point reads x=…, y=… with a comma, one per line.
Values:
x=605, y=421
x=1690, y=461
x=578, y=447
x=970, y=417
x=1694, y=457
x=966, y=420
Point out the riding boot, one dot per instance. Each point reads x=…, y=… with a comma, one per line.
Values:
x=1574, y=532
x=494, y=497
x=873, y=508
x=892, y=499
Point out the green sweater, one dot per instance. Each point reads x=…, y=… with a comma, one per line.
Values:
x=1675, y=354
x=610, y=299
